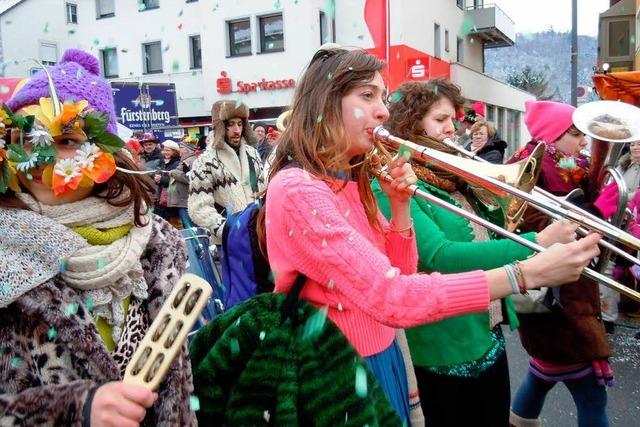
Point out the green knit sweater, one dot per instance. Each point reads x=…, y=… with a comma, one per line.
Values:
x=445, y=245
x=250, y=369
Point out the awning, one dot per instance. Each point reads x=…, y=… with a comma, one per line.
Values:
x=621, y=86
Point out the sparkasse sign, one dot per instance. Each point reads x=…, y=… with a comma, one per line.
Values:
x=223, y=84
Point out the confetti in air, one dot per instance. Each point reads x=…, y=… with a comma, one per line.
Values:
x=194, y=403
x=235, y=346
x=396, y=96
x=330, y=8
x=315, y=324
x=361, y=381
x=46, y=28
x=71, y=309
x=262, y=335
x=277, y=5
x=319, y=119
x=15, y=362
x=51, y=334
x=141, y=7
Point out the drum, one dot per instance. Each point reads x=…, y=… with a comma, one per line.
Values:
x=201, y=263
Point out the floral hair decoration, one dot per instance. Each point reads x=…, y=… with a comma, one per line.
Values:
x=93, y=162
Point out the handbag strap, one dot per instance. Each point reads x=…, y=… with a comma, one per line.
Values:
x=289, y=308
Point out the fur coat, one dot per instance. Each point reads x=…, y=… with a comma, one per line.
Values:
x=45, y=376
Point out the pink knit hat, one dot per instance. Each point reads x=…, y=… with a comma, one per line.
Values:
x=547, y=120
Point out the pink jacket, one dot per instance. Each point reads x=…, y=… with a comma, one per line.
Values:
x=365, y=278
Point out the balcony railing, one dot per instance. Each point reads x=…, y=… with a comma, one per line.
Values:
x=492, y=26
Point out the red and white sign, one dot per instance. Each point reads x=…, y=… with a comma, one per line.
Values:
x=223, y=84
x=418, y=68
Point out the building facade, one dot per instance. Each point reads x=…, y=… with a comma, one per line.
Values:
x=255, y=50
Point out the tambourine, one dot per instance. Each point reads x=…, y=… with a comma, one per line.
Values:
x=168, y=331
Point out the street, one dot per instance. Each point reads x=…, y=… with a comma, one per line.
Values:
x=624, y=399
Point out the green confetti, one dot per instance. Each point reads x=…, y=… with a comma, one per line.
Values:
x=141, y=7
x=175, y=66
x=329, y=76
x=277, y=5
x=15, y=362
x=319, y=119
x=194, y=403
x=89, y=304
x=181, y=12
x=330, y=8
x=235, y=346
x=262, y=335
x=166, y=48
x=396, y=96
x=71, y=309
x=46, y=28
x=101, y=263
x=51, y=334
x=96, y=42
x=63, y=265
x=71, y=31
x=467, y=26
x=315, y=324
x=361, y=381
x=270, y=45
x=194, y=73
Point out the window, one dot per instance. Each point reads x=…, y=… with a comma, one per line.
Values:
x=191, y=1
x=446, y=40
x=460, y=3
x=271, y=33
x=72, y=13
x=195, y=52
x=109, y=57
x=239, y=37
x=619, y=36
x=149, y=4
x=460, y=50
x=152, y=57
x=477, y=4
x=327, y=29
x=48, y=53
x=105, y=8
x=436, y=41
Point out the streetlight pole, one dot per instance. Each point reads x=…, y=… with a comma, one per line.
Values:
x=574, y=52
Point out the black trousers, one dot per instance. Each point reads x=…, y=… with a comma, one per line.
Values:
x=456, y=401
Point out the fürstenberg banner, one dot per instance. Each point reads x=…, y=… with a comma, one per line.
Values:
x=145, y=106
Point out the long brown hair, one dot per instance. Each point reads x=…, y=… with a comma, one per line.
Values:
x=140, y=190
x=315, y=138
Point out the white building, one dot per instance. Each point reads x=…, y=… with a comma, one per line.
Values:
x=258, y=48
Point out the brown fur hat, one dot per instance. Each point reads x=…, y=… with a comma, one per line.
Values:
x=224, y=110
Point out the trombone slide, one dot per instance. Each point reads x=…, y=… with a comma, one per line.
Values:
x=587, y=272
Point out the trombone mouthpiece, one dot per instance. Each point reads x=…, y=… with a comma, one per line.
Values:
x=380, y=133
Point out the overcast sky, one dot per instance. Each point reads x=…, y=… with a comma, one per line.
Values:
x=538, y=15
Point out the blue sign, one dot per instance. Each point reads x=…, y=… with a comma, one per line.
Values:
x=145, y=107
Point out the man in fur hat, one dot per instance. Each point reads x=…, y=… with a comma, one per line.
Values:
x=227, y=176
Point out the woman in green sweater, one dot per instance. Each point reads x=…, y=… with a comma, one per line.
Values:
x=460, y=363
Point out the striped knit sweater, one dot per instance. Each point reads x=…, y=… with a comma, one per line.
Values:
x=367, y=279
x=220, y=185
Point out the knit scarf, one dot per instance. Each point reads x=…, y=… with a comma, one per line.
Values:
x=107, y=269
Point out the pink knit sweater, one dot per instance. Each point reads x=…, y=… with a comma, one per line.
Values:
x=366, y=279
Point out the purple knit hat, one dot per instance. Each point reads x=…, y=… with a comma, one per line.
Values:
x=75, y=77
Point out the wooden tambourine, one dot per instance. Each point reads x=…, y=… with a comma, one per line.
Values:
x=168, y=331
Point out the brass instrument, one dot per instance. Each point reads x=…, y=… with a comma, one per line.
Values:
x=463, y=168
x=167, y=333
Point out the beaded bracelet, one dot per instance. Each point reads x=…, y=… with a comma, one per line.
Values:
x=522, y=284
x=392, y=228
x=512, y=278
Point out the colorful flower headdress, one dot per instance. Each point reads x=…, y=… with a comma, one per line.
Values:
x=93, y=162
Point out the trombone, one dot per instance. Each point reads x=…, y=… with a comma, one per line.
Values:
x=463, y=167
x=620, y=235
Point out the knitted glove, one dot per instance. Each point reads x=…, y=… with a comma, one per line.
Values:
x=607, y=202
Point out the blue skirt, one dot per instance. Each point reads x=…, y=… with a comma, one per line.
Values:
x=389, y=369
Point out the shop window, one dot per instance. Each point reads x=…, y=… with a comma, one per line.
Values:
x=72, y=13
x=271, y=33
x=150, y=4
x=152, y=57
x=195, y=52
x=105, y=8
x=619, y=38
x=109, y=57
x=239, y=37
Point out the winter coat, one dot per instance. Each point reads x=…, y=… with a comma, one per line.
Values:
x=220, y=184
x=493, y=150
x=179, y=183
x=45, y=376
x=151, y=161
